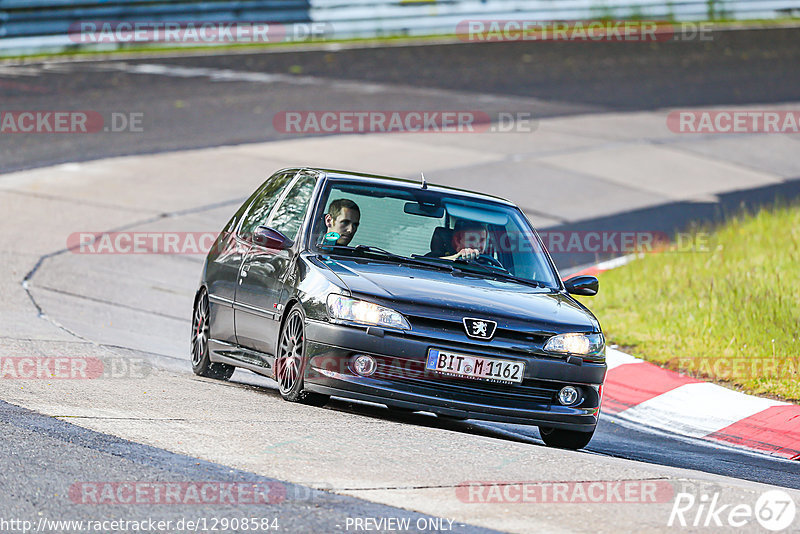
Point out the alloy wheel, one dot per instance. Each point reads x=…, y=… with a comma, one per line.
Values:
x=290, y=353
x=200, y=330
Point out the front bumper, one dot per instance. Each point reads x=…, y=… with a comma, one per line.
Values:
x=402, y=381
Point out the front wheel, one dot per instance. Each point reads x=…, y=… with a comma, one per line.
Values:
x=201, y=331
x=290, y=361
x=565, y=439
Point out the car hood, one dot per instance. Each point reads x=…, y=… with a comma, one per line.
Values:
x=436, y=294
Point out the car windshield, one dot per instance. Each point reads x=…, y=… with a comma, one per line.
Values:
x=426, y=227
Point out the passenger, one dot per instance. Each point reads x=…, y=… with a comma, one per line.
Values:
x=343, y=218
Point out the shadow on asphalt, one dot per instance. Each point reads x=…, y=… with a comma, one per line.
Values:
x=676, y=217
x=610, y=439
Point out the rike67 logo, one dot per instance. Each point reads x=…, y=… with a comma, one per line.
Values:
x=774, y=510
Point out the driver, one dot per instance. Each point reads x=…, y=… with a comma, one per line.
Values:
x=343, y=218
x=469, y=239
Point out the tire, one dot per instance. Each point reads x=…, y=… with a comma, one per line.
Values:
x=290, y=361
x=201, y=332
x=565, y=439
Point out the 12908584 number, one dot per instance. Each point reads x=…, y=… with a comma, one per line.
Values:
x=226, y=524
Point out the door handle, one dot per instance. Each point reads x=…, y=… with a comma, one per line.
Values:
x=245, y=269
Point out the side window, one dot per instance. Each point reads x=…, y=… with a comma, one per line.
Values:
x=261, y=208
x=289, y=217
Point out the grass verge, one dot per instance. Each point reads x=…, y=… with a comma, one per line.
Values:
x=729, y=312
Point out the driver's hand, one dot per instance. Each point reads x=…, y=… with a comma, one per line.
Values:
x=468, y=254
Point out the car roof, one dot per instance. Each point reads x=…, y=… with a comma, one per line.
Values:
x=360, y=177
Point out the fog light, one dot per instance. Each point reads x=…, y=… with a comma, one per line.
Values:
x=568, y=395
x=364, y=365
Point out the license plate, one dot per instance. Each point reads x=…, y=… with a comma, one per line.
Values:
x=475, y=367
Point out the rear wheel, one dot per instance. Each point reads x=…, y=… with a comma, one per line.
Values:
x=565, y=439
x=201, y=332
x=290, y=361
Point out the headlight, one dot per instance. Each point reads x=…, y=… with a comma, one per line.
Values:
x=583, y=344
x=359, y=311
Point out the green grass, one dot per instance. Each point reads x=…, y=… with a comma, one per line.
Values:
x=156, y=48
x=730, y=313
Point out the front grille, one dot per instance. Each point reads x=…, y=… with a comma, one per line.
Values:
x=455, y=330
x=412, y=373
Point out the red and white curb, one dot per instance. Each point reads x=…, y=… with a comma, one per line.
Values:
x=596, y=269
x=642, y=393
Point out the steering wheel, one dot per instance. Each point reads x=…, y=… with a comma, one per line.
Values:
x=491, y=261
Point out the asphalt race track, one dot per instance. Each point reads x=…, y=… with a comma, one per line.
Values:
x=207, y=104
x=207, y=140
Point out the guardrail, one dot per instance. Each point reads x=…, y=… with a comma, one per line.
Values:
x=20, y=18
x=393, y=17
x=46, y=25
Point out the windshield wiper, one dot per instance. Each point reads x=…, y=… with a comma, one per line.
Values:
x=490, y=271
x=385, y=254
x=438, y=263
x=377, y=250
x=525, y=281
x=496, y=273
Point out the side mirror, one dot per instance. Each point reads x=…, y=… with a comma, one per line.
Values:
x=267, y=237
x=582, y=285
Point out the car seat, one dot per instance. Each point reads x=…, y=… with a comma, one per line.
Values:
x=441, y=242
